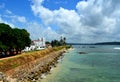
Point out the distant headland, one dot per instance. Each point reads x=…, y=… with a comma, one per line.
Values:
x=100, y=43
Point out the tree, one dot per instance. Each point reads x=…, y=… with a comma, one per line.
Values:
x=64, y=40
x=47, y=42
x=21, y=39
x=52, y=43
x=13, y=39
x=5, y=36
x=61, y=41
x=55, y=43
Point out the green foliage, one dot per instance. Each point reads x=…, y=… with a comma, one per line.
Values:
x=47, y=42
x=62, y=42
x=68, y=46
x=13, y=38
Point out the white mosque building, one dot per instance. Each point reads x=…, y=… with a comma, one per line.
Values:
x=36, y=45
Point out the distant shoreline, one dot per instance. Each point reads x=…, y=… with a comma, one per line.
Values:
x=100, y=43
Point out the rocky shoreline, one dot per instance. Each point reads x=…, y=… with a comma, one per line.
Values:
x=32, y=71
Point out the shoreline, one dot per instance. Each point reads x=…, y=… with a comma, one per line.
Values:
x=56, y=68
x=33, y=70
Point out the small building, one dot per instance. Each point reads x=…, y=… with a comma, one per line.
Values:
x=36, y=45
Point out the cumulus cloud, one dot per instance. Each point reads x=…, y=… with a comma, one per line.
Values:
x=36, y=31
x=101, y=15
x=92, y=21
x=65, y=19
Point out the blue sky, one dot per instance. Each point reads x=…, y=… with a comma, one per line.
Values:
x=56, y=4
x=77, y=20
x=23, y=8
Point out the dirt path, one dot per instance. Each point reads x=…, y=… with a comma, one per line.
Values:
x=10, y=57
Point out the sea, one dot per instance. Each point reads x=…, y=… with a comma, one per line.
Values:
x=95, y=63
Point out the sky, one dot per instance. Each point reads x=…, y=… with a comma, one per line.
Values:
x=80, y=21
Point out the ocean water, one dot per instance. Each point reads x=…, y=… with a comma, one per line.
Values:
x=101, y=63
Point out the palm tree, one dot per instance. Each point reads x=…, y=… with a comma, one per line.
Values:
x=64, y=40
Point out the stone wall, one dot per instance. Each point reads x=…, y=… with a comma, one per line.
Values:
x=31, y=71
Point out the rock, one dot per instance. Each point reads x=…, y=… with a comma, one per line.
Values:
x=43, y=76
x=33, y=80
x=1, y=76
x=82, y=52
x=5, y=80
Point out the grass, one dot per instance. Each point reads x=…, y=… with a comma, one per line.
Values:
x=18, y=60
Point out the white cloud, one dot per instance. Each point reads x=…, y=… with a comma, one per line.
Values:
x=91, y=21
x=16, y=18
x=102, y=15
x=21, y=19
x=46, y=14
x=3, y=21
x=8, y=11
x=8, y=17
x=94, y=20
x=82, y=5
x=65, y=19
x=50, y=34
x=36, y=31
